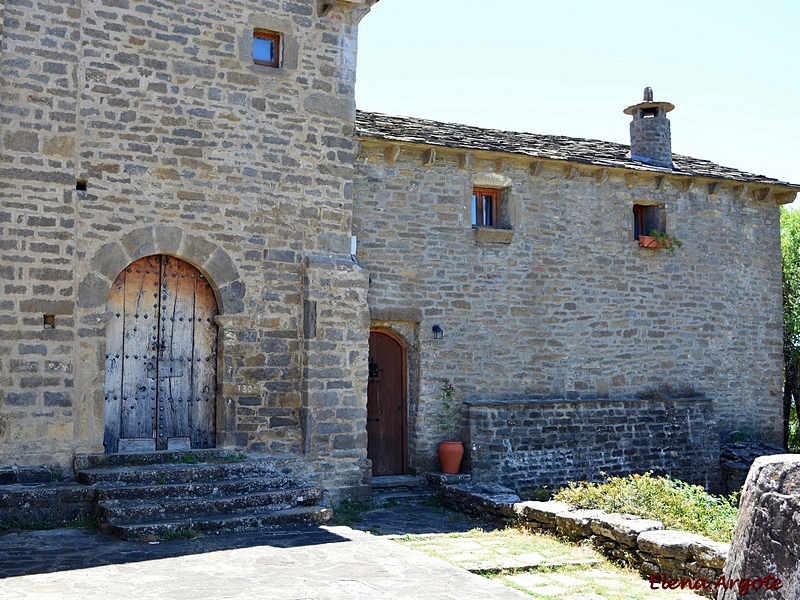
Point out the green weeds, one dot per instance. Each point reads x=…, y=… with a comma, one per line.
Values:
x=184, y=533
x=794, y=431
x=349, y=513
x=235, y=457
x=677, y=504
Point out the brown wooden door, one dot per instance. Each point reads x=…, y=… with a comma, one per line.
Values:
x=161, y=358
x=386, y=405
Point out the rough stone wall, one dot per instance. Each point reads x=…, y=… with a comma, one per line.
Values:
x=526, y=445
x=571, y=307
x=39, y=72
x=186, y=148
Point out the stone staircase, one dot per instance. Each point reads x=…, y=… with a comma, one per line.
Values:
x=388, y=490
x=157, y=495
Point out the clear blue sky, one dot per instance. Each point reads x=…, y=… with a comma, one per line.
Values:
x=732, y=69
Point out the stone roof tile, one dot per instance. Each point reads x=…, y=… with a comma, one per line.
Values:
x=554, y=147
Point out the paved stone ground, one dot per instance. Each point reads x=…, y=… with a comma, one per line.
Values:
x=304, y=563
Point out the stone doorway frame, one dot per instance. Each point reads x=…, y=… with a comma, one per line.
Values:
x=407, y=332
x=95, y=282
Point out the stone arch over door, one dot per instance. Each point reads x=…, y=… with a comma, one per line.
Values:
x=161, y=358
x=100, y=269
x=213, y=261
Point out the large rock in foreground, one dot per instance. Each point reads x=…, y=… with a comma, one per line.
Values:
x=765, y=551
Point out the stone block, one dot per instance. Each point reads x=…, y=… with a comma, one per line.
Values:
x=63, y=399
x=139, y=243
x=197, y=249
x=710, y=554
x=669, y=543
x=541, y=512
x=59, y=145
x=577, y=523
x=623, y=529
x=52, y=307
x=330, y=106
x=110, y=260
x=21, y=141
x=221, y=268
x=93, y=291
x=766, y=539
x=19, y=398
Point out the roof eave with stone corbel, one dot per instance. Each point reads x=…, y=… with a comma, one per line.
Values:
x=605, y=155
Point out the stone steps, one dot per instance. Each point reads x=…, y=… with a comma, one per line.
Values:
x=216, y=504
x=174, y=473
x=174, y=494
x=175, y=491
x=252, y=521
x=388, y=490
x=158, y=457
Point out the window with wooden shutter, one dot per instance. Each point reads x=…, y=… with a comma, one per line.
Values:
x=485, y=204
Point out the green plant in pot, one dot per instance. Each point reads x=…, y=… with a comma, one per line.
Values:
x=659, y=240
x=451, y=450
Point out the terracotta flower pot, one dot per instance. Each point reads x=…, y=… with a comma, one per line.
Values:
x=648, y=241
x=450, y=455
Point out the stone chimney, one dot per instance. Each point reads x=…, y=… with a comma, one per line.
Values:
x=650, y=136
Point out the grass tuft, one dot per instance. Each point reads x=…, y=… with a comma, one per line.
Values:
x=678, y=505
x=184, y=533
x=349, y=513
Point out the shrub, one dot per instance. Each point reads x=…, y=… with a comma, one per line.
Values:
x=677, y=504
x=793, y=444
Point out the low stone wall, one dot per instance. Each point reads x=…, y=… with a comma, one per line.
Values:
x=528, y=444
x=736, y=458
x=668, y=558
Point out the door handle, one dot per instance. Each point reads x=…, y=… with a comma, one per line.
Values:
x=373, y=420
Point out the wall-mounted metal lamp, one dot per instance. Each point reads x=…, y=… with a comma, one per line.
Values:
x=438, y=332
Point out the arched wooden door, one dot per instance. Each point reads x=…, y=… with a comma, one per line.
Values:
x=161, y=380
x=386, y=405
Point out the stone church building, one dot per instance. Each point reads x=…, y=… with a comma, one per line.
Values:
x=204, y=245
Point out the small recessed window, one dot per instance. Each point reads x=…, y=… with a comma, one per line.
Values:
x=647, y=218
x=485, y=204
x=266, y=48
x=81, y=185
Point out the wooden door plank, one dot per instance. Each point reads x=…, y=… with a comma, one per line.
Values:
x=393, y=405
x=203, y=408
x=112, y=388
x=140, y=316
x=175, y=357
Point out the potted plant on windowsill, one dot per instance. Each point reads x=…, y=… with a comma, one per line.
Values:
x=451, y=450
x=658, y=240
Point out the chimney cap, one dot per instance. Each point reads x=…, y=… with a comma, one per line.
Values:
x=648, y=105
